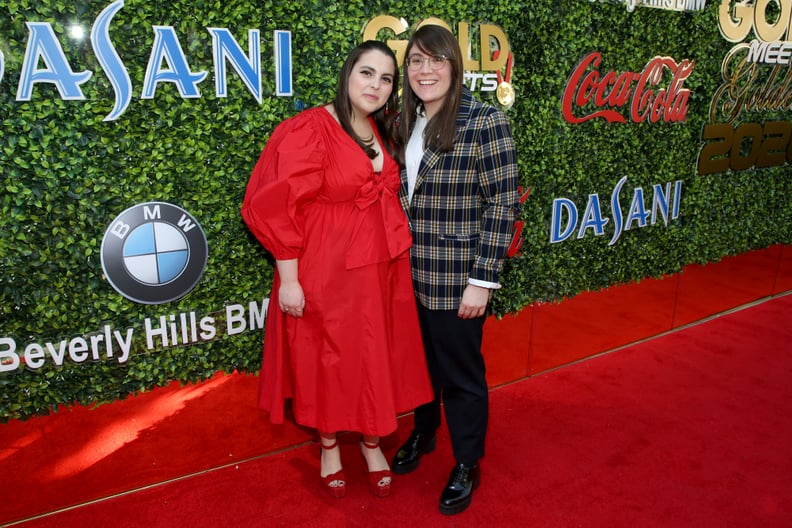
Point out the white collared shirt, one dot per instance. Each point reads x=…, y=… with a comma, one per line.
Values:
x=413, y=154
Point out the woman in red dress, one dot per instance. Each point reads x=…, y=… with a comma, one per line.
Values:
x=342, y=338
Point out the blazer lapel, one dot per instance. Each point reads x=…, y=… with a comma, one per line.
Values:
x=431, y=157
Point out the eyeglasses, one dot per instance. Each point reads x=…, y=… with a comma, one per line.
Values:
x=415, y=62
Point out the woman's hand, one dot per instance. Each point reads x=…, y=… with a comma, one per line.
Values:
x=291, y=298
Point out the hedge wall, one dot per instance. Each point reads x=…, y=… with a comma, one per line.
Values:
x=66, y=173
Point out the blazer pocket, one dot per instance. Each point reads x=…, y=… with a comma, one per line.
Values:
x=459, y=240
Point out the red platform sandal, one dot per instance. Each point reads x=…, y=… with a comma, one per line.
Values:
x=379, y=481
x=335, y=483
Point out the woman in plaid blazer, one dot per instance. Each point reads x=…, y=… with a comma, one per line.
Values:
x=459, y=189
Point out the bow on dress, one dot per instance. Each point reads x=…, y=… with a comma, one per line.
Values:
x=380, y=233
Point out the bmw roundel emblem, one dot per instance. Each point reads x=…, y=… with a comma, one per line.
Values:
x=154, y=253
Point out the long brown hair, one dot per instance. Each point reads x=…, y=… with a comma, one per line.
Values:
x=441, y=129
x=384, y=118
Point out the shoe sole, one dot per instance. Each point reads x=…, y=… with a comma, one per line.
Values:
x=456, y=508
x=462, y=506
x=403, y=470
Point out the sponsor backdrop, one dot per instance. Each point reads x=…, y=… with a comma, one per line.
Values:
x=652, y=135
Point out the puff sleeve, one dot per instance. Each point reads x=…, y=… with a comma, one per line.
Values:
x=287, y=175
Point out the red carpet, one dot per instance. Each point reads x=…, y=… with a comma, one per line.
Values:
x=690, y=429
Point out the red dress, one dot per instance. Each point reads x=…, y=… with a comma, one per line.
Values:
x=355, y=359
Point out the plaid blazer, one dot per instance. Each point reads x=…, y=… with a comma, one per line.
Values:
x=463, y=207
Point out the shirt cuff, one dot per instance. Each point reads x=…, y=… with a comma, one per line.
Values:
x=484, y=284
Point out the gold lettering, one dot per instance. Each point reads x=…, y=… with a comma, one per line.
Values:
x=771, y=32
x=492, y=38
x=468, y=62
x=397, y=26
x=742, y=90
x=736, y=27
x=737, y=18
x=488, y=33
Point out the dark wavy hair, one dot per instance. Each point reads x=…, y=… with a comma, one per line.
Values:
x=440, y=131
x=384, y=117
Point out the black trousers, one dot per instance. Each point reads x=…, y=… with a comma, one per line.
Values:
x=456, y=367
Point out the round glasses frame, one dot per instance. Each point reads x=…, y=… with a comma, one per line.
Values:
x=437, y=62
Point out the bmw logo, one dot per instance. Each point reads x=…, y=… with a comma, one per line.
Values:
x=154, y=253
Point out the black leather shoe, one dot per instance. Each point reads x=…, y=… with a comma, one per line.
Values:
x=459, y=491
x=409, y=454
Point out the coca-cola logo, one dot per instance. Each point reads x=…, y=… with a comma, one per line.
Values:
x=655, y=94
